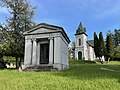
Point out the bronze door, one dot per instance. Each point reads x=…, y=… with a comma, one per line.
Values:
x=44, y=53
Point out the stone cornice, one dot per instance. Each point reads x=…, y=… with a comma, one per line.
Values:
x=54, y=29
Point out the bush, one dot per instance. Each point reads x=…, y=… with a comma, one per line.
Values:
x=9, y=59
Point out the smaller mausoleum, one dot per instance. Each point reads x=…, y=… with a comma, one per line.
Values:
x=46, y=45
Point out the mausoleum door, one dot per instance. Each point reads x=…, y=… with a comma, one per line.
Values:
x=80, y=55
x=44, y=53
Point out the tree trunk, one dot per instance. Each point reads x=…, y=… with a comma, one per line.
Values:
x=108, y=60
x=100, y=58
x=20, y=63
x=17, y=63
x=1, y=58
x=3, y=64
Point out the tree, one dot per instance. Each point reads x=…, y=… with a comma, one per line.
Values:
x=109, y=47
x=116, y=37
x=116, y=55
x=102, y=49
x=73, y=45
x=99, y=46
x=96, y=45
x=21, y=20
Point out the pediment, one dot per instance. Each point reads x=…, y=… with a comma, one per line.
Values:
x=41, y=30
x=44, y=28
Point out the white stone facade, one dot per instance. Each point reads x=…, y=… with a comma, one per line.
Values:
x=86, y=50
x=41, y=36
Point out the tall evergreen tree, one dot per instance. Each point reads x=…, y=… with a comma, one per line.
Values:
x=102, y=49
x=109, y=47
x=116, y=55
x=21, y=20
x=96, y=45
x=116, y=37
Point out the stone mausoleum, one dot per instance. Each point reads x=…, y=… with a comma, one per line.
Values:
x=46, y=45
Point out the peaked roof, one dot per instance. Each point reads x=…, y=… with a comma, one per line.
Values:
x=50, y=27
x=81, y=30
x=91, y=43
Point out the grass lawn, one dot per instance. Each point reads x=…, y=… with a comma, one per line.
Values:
x=80, y=76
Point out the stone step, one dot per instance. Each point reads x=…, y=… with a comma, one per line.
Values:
x=40, y=68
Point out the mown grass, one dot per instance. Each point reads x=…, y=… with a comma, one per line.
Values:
x=80, y=76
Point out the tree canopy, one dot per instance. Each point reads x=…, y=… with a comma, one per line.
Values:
x=96, y=44
x=21, y=19
x=99, y=46
x=109, y=47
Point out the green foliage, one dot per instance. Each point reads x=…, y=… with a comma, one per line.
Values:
x=22, y=14
x=117, y=53
x=115, y=36
x=116, y=42
x=9, y=59
x=109, y=46
x=73, y=45
x=96, y=44
x=78, y=77
x=102, y=49
x=99, y=45
x=69, y=53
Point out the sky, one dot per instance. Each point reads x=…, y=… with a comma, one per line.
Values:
x=95, y=15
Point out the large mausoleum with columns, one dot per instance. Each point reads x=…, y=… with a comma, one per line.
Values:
x=46, y=45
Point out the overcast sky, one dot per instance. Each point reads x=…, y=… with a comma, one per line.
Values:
x=96, y=15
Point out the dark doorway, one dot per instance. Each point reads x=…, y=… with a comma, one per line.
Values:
x=80, y=55
x=44, y=53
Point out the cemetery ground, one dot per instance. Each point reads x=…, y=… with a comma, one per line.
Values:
x=81, y=76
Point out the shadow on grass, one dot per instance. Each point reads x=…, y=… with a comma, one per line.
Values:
x=11, y=68
x=87, y=71
x=90, y=72
x=8, y=69
x=73, y=62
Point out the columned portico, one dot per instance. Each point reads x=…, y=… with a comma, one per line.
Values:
x=36, y=49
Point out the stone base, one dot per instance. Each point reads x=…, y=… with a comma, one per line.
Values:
x=47, y=67
x=61, y=66
x=37, y=68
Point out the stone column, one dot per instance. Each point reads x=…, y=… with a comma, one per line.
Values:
x=51, y=51
x=34, y=56
x=38, y=53
x=28, y=47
